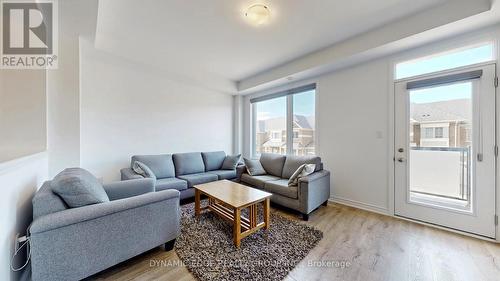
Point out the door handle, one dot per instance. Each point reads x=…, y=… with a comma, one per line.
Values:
x=401, y=159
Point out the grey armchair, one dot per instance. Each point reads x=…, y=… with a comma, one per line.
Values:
x=74, y=243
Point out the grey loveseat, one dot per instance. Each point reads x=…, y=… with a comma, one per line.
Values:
x=181, y=171
x=74, y=243
x=310, y=192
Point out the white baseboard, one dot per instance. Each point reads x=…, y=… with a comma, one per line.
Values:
x=361, y=205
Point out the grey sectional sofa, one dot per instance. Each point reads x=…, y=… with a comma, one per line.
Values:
x=74, y=243
x=311, y=191
x=181, y=171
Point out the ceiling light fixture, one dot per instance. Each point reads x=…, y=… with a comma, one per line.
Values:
x=257, y=14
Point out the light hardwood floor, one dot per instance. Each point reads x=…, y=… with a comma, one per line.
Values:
x=377, y=247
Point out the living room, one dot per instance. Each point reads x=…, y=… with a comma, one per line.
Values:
x=249, y=140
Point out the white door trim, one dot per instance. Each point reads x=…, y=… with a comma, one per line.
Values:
x=391, y=149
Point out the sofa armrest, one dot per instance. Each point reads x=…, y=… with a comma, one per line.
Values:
x=315, y=176
x=129, y=174
x=240, y=170
x=90, y=212
x=314, y=190
x=129, y=188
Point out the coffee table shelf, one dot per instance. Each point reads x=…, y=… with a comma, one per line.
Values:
x=227, y=199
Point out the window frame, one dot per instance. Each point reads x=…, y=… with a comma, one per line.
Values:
x=289, y=94
x=441, y=135
x=428, y=132
x=440, y=48
x=468, y=39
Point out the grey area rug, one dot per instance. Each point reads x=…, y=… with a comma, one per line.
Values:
x=206, y=247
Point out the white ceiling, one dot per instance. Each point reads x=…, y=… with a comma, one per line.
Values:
x=210, y=39
x=451, y=19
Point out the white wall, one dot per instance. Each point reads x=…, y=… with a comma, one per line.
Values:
x=353, y=113
x=75, y=18
x=352, y=109
x=127, y=109
x=22, y=113
x=19, y=179
x=353, y=123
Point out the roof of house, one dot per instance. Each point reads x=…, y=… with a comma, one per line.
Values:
x=279, y=123
x=279, y=144
x=304, y=122
x=451, y=110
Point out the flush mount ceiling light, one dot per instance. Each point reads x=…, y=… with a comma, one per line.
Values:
x=257, y=14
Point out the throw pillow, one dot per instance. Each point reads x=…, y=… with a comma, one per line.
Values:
x=230, y=162
x=78, y=187
x=302, y=171
x=143, y=170
x=254, y=168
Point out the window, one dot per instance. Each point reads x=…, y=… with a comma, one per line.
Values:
x=438, y=62
x=284, y=122
x=429, y=133
x=438, y=133
x=269, y=120
x=303, y=123
x=434, y=133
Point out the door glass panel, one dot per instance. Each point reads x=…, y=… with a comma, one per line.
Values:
x=270, y=126
x=440, y=130
x=303, y=123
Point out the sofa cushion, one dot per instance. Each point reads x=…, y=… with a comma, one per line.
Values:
x=224, y=174
x=303, y=171
x=194, y=179
x=171, y=183
x=230, y=162
x=213, y=160
x=188, y=163
x=78, y=187
x=293, y=162
x=258, y=181
x=46, y=201
x=143, y=170
x=161, y=165
x=254, y=167
x=273, y=163
x=281, y=187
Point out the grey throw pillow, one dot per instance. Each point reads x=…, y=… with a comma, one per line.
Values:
x=230, y=162
x=143, y=170
x=254, y=168
x=302, y=171
x=78, y=187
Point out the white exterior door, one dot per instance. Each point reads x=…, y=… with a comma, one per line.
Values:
x=444, y=156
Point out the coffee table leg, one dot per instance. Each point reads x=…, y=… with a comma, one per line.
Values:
x=237, y=227
x=267, y=207
x=196, y=202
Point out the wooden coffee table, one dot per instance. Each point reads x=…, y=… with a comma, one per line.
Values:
x=227, y=199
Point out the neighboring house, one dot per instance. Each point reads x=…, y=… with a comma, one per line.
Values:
x=271, y=135
x=441, y=124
